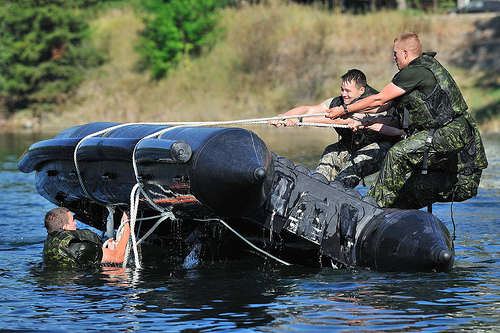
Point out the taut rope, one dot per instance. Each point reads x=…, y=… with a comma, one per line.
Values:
x=138, y=188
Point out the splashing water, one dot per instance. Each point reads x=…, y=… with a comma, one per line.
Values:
x=193, y=258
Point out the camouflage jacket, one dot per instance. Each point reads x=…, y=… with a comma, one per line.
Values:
x=444, y=104
x=472, y=158
x=72, y=249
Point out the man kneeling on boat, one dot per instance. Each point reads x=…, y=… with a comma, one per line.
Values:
x=69, y=247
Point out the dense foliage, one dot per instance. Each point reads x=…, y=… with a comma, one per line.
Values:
x=42, y=51
x=44, y=47
x=176, y=29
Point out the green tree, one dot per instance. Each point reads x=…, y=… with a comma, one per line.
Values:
x=174, y=29
x=42, y=54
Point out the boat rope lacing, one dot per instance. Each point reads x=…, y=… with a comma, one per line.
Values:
x=138, y=188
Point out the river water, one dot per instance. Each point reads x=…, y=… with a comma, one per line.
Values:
x=252, y=294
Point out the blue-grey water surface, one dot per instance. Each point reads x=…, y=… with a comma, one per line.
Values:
x=251, y=294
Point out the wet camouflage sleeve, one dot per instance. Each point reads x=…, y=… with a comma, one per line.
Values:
x=71, y=249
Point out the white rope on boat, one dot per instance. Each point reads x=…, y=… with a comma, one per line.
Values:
x=75, y=160
x=196, y=124
x=138, y=187
x=134, y=203
x=164, y=216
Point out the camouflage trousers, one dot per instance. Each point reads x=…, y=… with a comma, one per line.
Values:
x=424, y=190
x=338, y=163
x=406, y=156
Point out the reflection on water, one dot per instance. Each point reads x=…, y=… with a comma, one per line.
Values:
x=250, y=294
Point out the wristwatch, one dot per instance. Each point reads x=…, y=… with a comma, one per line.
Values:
x=345, y=108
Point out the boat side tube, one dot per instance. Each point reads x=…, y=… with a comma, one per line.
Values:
x=406, y=240
x=350, y=230
x=196, y=171
x=46, y=151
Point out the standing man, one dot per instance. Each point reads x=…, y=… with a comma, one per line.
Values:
x=67, y=247
x=433, y=113
x=358, y=153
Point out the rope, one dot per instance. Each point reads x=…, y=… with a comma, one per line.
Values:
x=236, y=122
x=138, y=188
x=134, y=204
x=75, y=160
x=164, y=216
x=260, y=121
x=129, y=248
x=184, y=124
x=322, y=125
x=247, y=241
x=451, y=214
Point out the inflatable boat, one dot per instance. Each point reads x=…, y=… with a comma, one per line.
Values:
x=218, y=182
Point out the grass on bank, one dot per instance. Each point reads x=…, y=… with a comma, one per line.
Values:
x=270, y=58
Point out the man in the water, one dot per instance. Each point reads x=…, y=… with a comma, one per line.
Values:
x=69, y=247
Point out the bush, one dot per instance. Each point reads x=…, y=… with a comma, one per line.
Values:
x=42, y=52
x=175, y=29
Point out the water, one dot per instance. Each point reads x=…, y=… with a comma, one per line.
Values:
x=250, y=295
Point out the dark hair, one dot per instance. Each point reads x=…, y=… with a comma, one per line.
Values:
x=56, y=218
x=356, y=76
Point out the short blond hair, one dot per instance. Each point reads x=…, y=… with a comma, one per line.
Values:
x=410, y=42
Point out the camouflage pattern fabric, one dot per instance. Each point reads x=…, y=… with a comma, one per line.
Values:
x=443, y=105
x=357, y=154
x=406, y=157
x=424, y=190
x=473, y=157
x=438, y=186
x=338, y=163
x=57, y=252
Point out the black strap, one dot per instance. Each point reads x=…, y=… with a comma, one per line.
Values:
x=406, y=119
x=451, y=213
x=428, y=142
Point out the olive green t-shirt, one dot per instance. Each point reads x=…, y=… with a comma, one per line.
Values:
x=415, y=78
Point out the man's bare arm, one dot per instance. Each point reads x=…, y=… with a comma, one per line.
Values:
x=389, y=92
x=301, y=110
x=117, y=255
